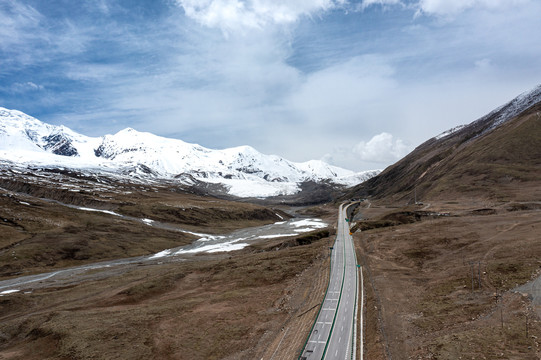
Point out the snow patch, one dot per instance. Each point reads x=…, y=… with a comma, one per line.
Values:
x=275, y=236
x=221, y=247
x=449, y=132
x=161, y=254
x=6, y=292
x=147, y=221
x=314, y=223
x=98, y=210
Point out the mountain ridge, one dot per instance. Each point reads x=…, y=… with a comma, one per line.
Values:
x=242, y=170
x=493, y=157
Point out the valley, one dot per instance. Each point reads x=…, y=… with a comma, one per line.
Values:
x=270, y=180
x=98, y=263
x=85, y=302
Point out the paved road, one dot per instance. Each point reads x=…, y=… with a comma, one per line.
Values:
x=333, y=333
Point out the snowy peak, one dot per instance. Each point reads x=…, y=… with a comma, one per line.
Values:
x=19, y=131
x=142, y=155
x=25, y=132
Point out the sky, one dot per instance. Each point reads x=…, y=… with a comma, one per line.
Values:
x=357, y=84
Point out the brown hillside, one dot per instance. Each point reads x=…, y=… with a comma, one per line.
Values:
x=503, y=163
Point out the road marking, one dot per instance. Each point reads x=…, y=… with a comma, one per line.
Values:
x=341, y=268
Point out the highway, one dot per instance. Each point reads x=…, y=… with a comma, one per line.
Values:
x=332, y=336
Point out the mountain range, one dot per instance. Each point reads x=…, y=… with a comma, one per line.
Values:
x=241, y=171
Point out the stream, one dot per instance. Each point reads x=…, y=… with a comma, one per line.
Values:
x=205, y=244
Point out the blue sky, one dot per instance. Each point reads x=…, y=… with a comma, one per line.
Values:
x=355, y=83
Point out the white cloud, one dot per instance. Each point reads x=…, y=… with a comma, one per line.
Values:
x=25, y=87
x=242, y=15
x=453, y=7
x=18, y=23
x=381, y=148
x=342, y=93
x=297, y=96
x=483, y=65
x=367, y=3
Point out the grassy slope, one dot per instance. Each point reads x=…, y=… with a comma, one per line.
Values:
x=494, y=165
x=420, y=276
x=419, y=269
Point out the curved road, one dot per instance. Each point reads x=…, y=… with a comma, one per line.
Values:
x=332, y=335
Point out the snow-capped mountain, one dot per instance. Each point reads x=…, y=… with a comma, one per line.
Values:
x=242, y=170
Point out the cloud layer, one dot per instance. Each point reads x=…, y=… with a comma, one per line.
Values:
x=382, y=148
x=355, y=82
x=235, y=15
x=445, y=7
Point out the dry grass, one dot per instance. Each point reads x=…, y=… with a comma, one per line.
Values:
x=422, y=284
x=501, y=165
x=38, y=235
x=196, y=309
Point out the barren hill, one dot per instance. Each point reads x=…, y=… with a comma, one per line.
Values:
x=497, y=157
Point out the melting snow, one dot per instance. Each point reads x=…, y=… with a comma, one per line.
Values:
x=449, y=132
x=275, y=236
x=5, y=292
x=227, y=246
x=148, y=221
x=161, y=254
x=315, y=223
x=240, y=239
x=102, y=211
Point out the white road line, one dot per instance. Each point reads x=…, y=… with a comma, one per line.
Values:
x=362, y=305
